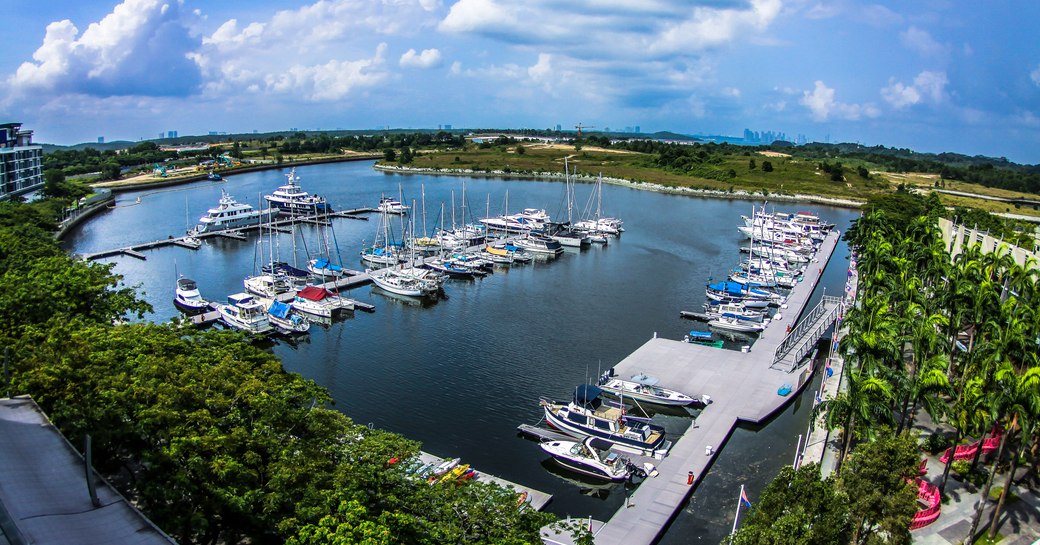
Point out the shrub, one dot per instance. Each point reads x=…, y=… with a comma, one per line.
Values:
x=936, y=443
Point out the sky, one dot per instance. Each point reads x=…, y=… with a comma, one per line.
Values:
x=930, y=75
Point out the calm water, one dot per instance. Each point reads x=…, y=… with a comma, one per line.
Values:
x=462, y=373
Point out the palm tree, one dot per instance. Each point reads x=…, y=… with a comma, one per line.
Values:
x=1027, y=409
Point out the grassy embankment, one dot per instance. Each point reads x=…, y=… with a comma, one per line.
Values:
x=791, y=176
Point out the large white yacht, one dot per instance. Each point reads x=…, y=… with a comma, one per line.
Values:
x=229, y=214
x=292, y=199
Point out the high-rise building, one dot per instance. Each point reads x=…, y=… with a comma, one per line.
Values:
x=101, y=140
x=21, y=163
x=171, y=134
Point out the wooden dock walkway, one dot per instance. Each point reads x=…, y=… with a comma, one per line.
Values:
x=743, y=387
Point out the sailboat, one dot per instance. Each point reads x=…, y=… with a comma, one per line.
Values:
x=409, y=281
x=382, y=252
x=191, y=240
x=565, y=234
x=598, y=223
x=267, y=284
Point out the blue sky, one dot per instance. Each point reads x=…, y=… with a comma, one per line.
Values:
x=932, y=75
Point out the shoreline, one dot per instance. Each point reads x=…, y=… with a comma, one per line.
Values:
x=166, y=182
x=714, y=193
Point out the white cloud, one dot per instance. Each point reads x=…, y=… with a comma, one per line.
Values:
x=822, y=10
x=732, y=92
x=429, y=58
x=330, y=81
x=927, y=87
x=542, y=70
x=1035, y=76
x=922, y=42
x=707, y=27
x=456, y=68
x=320, y=52
x=139, y=49
x=823, y=106
x=612, y=29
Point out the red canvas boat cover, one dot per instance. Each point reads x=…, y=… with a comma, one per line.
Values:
x=314, y=293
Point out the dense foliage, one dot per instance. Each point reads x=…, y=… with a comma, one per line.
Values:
x=956, y=338
x=206, y=432
x=986, y=171
x=870, y=503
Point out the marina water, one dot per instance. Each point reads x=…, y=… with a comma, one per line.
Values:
x=461, y=373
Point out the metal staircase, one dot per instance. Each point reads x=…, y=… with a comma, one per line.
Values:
x=803, y=338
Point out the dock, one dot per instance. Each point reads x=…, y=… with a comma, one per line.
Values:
x=535, y=498
x=743, y=388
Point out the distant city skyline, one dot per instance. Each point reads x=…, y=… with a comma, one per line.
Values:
x=935, y=75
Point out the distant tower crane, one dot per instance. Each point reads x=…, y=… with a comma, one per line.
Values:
x=579, y=126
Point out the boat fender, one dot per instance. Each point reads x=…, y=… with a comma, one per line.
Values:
x=689, y=478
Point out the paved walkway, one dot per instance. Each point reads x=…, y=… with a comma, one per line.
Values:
x=1019, y=521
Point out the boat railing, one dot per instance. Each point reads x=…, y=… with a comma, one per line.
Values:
x=811, y=327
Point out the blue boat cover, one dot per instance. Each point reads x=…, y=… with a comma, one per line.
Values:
x=279, y=309
x=323, y=263
x=729, y=287
x=694, y=334
x=511, y=248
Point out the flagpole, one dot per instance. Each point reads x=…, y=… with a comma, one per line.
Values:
x=737, y=514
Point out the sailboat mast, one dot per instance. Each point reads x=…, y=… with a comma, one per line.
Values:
x=422, y=188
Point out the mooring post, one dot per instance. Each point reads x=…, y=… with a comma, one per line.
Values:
x=88, y=459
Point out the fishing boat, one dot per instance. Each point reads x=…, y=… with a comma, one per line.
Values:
x=703, y=338
x=318, y=301
x=213, y=177
x=284, y=320
x=244, y=313
x=187, y=297
x=389, y=205
x=643, y=388
x=590, y=457
x=229, y=214
x=587, y=415
x=292, y=199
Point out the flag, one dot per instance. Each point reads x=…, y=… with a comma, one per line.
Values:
x=743, y=498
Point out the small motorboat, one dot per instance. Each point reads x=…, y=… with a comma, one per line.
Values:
x=285, y=320
x=705, y=338
x=187, y=297
x=589, y=457
x=389, y=205
x=732, y=323
x=643, y=388
x=588, y=415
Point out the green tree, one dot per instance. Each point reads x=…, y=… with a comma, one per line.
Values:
x=767, y=166
x=110, y=170
x=406, y=156
x=863, y=172
x=520, y=149
x=751, y=164
x=389, y=155
x=797, y=507
x=878, y=484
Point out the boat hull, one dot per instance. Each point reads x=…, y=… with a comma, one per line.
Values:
x=659, y=450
